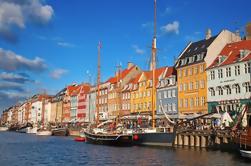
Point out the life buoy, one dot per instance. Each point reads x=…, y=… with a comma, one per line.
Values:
x=135, y=137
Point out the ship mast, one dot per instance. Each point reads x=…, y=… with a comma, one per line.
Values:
x=154, y=52
x=98, y=84
x=119, y=93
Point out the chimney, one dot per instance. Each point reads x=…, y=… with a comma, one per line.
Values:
x=248, y=31
x=129, y=65
x=208, y=34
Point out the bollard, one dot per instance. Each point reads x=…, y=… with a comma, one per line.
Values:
x=176, y=140
x=217, y=140
x=197, y=141
x=180, y=141
x=203, y=141
x=191, y=140
x=225, y=140
x=186, y=140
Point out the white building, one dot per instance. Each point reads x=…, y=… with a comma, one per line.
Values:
x=21, y=114
x=229, y=77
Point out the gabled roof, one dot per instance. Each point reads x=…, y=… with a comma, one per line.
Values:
x=231, y=53
x=73, y=90
x=123, y=74
x=194, y=49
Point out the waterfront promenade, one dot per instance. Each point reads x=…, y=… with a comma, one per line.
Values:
x=22, y=149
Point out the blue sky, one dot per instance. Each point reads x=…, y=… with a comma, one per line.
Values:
x=47, y=44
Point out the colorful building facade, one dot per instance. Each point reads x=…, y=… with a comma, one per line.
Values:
x=192, y=77
x=229, y=78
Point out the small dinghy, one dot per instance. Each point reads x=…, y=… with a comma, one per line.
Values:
x=79, y=139
x=246, y=153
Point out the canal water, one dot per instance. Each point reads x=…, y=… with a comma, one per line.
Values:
x=18, y=149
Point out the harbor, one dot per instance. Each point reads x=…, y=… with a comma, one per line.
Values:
x=192, y=110
x=33, y=150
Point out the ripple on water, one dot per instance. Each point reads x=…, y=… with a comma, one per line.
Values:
x=23, y=149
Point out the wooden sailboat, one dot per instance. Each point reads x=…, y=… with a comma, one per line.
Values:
x=100, y=135
x=154, y=136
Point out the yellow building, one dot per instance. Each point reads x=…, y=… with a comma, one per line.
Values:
x=141, y=98
x=192, y=77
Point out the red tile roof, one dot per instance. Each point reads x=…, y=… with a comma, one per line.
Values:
x=114, y=79
x=232, y=53
x=73, y=90
x=170, y=71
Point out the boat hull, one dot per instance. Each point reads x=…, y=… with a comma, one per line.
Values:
x=31, y=130
x=245, y=153
x=107, y=139
x=60, y=132
x=4, y=128
x=44, y=133
x=154, y=139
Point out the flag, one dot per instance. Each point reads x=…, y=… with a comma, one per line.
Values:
x=99, y=44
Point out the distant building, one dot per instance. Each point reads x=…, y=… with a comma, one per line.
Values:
x=229, y=77
x=83, y=103
x=117, y=83
x=167, y=92
x=141, y=94
x=57, y=106
x=191, y=74
x=92, y=104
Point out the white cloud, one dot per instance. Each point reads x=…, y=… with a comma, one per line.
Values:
x=10, y=61
x=171, y=27
x=12, y=77
x=138, y=50
x=65, y=44
x=16, y=13
x=58, y=73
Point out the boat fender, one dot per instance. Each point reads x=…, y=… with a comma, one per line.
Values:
x=135, y=137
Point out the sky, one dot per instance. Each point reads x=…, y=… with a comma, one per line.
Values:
x=48, y=44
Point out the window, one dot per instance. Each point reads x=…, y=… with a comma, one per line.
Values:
x=148, y=93
x=180, y=73
x=212, y=75
x=169, y=94
x=173, y=93
x=191, y=102
x=185, y=87
x=181, y=103
x=202, y=101
x=201, y=68
x=174, y=107
x=165, y=94
x=191, y=86
x=197, y=85
x=228, y=90
x=212, y=92
x=185, y=72
x=248, y=68
x=197, y=101
x=186, y=103
x=220, y=74
x=220, y=91
x=237, y=70
x=181, y=87
x=202, y=84
x=247, y=87
x=169, y=107
x=159, y=95
x=195, y=69
x=237, y=88
x=191, y=71
x=228, y=71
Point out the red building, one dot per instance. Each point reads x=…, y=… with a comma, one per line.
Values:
x=83, y=103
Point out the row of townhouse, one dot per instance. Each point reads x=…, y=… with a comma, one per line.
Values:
x=210, y=74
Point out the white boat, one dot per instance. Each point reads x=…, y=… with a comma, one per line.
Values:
x=44, y=133
x=4, y=128
x=246, y=153
x=31, y=130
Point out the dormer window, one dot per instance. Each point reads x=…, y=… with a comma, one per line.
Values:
x=221, y=58
x=243, y=53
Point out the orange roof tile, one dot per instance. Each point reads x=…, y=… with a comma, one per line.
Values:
x=232, y=53
x=124, y=73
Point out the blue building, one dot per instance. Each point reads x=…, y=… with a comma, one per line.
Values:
x=167, y=92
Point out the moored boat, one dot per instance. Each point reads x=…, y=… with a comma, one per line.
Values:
x=31, y=130
x=109, y=139
x=4, y=128
x=60, y=132
x=246, y=153
x=154, y=137
x=44, y=133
